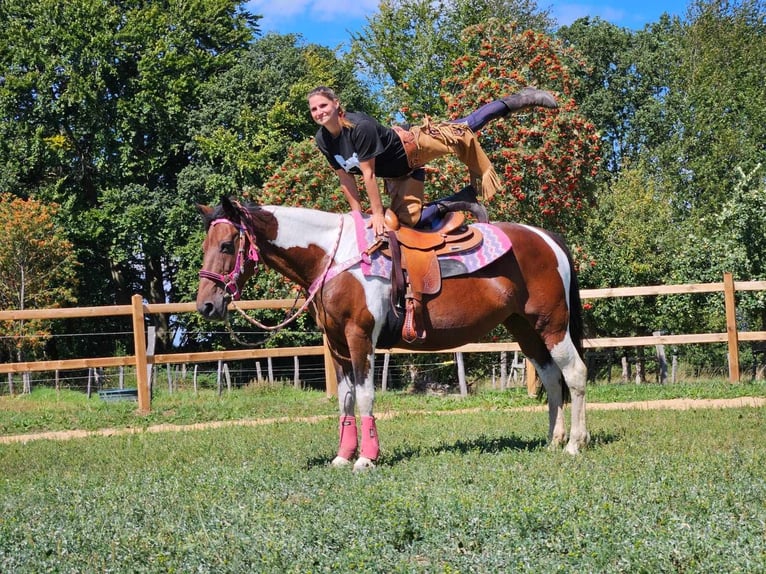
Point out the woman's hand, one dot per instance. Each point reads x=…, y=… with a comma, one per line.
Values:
x=378, y=224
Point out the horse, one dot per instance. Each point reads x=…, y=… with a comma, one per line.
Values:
x=531, y=288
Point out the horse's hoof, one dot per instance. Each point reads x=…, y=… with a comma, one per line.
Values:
x=558, y=440
x=363, y=463
x=339, y=462
x=577, y=442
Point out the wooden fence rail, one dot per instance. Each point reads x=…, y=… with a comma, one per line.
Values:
x=142, y=360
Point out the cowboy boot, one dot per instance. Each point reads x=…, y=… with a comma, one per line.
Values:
x=529, y=97
x=463, y=200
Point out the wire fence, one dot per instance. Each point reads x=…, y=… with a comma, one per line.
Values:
x=309, y=364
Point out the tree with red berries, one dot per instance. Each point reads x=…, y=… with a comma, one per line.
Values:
x=546, y=158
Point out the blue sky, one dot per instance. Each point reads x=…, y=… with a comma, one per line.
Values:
x=329, y=22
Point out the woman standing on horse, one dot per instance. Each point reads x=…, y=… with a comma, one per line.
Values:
x=356, y=144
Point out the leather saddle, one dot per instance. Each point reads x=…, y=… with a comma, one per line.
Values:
x=415, y=258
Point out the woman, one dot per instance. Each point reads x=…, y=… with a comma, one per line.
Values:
x=356, y=144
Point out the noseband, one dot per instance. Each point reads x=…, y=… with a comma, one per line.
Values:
x=229, y=280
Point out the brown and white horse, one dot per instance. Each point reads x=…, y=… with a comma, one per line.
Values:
x=531, y=289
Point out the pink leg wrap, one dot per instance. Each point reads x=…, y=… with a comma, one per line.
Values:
x=370, y=445
x=348, y=439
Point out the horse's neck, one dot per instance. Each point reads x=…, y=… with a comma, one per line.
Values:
x=298, y=230
x=303, y=227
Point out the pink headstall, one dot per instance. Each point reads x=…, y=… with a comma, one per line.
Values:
x=229, y=280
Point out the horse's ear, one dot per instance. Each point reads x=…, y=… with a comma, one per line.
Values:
x=229, y=208
x=206, y=212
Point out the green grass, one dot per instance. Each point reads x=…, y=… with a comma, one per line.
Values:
x=658, y=491
x=46, y=409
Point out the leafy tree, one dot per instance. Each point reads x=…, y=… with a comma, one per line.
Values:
x=716, y=105
x=94, y=110
x=732, y=240
x=37, y=271
x=683, y=101
x=631, y=242
x=716, y=112
x=408, y=45
x=623, y=87
x=548, y=159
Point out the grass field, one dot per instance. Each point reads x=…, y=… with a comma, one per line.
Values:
x=658, y=491
x=48, y=410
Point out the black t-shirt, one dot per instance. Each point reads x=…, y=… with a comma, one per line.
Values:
x=365, y=140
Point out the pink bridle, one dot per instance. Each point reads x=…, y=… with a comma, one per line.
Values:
x=229, y=280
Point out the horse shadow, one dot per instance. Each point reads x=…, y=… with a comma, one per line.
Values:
x=482, y=444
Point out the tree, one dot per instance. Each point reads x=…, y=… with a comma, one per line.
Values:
x=733, y=240
x=547, y=159
x=630, y=241
x=408, y=45
x=716, y=105
x=623, y=86
x=37, y=271
x=681, y=108
x=94, y=110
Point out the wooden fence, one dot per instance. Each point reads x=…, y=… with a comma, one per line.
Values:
x=143, y=360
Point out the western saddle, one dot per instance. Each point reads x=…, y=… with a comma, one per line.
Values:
x=414, y=254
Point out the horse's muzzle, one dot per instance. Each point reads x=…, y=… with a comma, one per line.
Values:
x=213, y=310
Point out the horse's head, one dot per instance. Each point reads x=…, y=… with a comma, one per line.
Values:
x=229, y=258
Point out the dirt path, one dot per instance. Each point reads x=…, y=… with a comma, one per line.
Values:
x=667, y=404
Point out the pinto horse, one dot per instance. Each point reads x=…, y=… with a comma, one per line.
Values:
x=531, y=288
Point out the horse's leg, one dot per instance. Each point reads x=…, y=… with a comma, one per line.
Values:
x=535, y=349
x=347, y=431
x=575, y=376
x=550, y=376
x=365, y=395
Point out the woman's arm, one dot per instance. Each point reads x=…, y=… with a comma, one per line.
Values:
x=373, y=193
x=350, y=190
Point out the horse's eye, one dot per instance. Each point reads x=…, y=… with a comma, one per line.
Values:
x=227, y=247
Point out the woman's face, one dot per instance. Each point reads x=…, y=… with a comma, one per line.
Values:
x=324, y=111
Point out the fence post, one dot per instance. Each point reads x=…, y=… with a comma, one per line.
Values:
x=139, y=342
x=151, y=371
x=662, y=362
x=384, y=374
x=531, y=376
x=731, y=326
x=461, y=374
x=503, y=370
x=330, y=376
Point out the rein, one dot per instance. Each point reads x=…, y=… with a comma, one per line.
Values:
x=234, y=275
